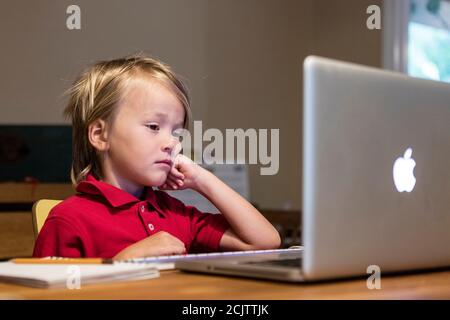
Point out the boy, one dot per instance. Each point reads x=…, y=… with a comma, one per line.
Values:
x=125, y=114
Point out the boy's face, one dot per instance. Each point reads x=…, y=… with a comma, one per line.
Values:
x=142, y=135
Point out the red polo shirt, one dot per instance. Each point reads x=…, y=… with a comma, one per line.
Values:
x=101, y=220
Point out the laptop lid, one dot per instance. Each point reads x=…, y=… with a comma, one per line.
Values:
x=376, y=170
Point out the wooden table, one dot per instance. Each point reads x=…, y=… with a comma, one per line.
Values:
x=179, y=285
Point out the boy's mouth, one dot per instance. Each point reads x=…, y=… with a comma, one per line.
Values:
x=167, y=162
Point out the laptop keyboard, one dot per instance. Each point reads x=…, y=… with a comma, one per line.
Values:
x=289, y=263
x=196, y=256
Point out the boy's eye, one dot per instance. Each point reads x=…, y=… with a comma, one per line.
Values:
x=153, y=126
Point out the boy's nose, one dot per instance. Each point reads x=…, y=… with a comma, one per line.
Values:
x=169, y=146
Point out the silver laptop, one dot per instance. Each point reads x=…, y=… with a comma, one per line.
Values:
x=376, y=178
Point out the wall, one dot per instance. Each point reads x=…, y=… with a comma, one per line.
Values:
x=255, y=51
x=43, y=57
x=242, y=60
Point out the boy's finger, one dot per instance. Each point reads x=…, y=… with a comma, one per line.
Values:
x=173, y=185
x=175, y=172
x=176, y=150
x=163, y=187
x=166, y=186
x=177, y=182
x=170, y=183
x=175, y=178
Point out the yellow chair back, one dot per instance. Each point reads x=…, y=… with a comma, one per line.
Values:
x=41, y=209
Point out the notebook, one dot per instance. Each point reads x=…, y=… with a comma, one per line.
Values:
x=66, y=275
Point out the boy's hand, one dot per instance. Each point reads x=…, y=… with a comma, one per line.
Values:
x=184, y=174
x=160, y=244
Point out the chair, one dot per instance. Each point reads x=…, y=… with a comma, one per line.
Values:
x=41, y=209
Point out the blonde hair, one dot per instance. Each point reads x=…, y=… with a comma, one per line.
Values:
x=95, y=94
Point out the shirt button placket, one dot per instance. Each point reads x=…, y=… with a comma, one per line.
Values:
x=150, y=225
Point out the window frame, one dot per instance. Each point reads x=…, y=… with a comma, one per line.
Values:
x=396, y=15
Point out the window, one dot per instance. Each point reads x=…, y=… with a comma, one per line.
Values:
x=416, y=38
x=429, y=39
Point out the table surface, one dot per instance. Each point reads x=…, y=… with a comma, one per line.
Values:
x=174, y=284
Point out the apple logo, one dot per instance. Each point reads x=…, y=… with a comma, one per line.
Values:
x=404, y=179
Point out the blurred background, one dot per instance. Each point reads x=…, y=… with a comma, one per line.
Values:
x=242, y=61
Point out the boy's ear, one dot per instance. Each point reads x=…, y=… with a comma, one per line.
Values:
x=98, y=135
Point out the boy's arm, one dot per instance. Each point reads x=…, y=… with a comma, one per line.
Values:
x=250, y=230
x=58, y=238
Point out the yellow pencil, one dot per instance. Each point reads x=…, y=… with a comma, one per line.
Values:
x=60, y=260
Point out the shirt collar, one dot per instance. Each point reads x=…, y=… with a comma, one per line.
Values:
x=116, y=197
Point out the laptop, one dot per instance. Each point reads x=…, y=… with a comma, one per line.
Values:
x=376, y=179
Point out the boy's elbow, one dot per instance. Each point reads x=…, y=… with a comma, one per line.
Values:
x=267, y=241
x=275, y=242
x=272, y=242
